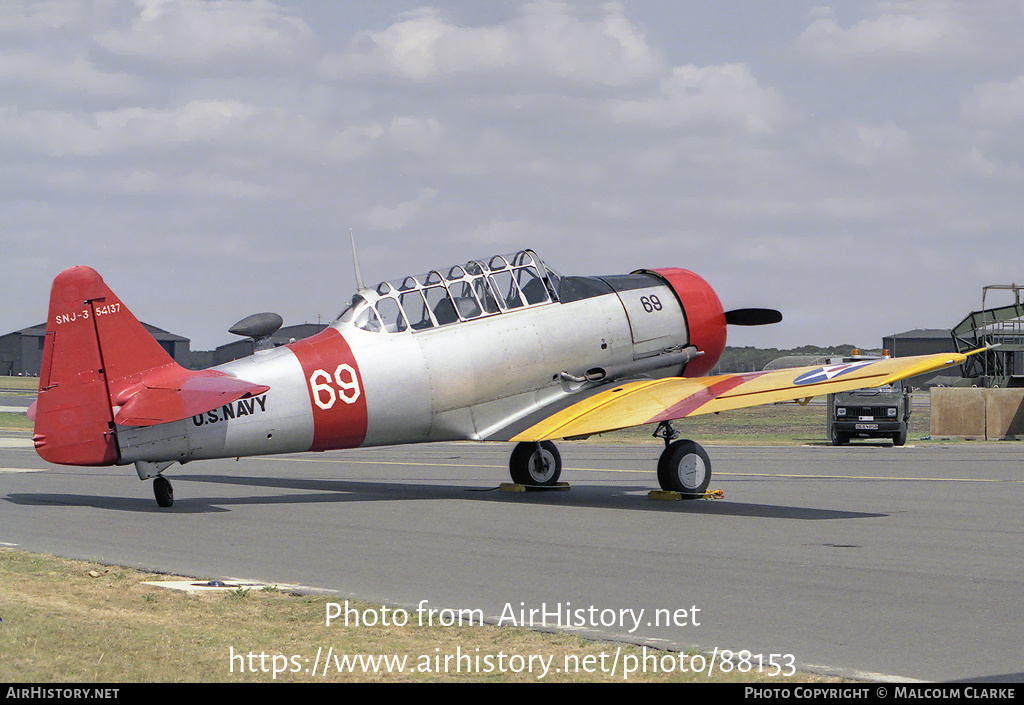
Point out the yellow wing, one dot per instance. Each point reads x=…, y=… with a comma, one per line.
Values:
x=650, y=401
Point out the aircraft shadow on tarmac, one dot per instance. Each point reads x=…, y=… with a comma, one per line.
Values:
x=142, y=505
x=318, y=491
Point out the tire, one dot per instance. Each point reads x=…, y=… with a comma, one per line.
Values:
x=838, y=438
x=684, y=467
x=900, y=437
x=538, y=464
x=163, y=491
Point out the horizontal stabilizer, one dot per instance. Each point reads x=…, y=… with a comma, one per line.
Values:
x=163, y=401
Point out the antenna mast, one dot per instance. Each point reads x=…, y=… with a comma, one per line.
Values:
x=355, y=261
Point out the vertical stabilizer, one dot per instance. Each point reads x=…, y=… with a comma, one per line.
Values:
x=94, y=350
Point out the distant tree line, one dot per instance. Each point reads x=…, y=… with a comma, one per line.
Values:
x=749, y=359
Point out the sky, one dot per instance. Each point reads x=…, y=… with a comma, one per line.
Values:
x=857, y=165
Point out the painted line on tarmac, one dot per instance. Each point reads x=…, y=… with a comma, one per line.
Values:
x=863, y=477
x=385, y=462
x=427, y=464
x=790, y=476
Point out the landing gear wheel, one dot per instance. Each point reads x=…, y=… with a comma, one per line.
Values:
x=535, y=464
x=684, y=467
x=163, y=491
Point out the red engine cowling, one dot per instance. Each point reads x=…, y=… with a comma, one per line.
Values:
x=705, y=317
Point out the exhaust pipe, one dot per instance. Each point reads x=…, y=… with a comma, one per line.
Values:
x=666, y=358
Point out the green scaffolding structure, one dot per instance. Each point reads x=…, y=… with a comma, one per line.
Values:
x=1001, y=328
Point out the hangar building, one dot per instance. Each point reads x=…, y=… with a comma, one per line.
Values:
x=21, y=352
x=244, y=348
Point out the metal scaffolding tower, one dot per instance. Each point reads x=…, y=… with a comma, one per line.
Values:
x=1002, y=366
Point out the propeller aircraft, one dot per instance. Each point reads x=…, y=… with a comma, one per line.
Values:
x=498, y=349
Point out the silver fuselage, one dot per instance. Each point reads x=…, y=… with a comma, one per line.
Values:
x=357, y=385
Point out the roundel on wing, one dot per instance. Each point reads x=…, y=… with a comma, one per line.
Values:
x=828, y=372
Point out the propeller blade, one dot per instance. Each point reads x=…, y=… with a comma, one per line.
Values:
x=752, y=316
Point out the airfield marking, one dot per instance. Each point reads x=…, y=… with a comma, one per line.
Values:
x=651, y=472
x=386, y=462
x=647, y=472
x=866, y=477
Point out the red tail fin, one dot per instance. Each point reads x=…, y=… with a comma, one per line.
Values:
x=74, y=419
x=101, y=368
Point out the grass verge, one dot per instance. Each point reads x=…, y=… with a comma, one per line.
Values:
x=773, y=424
x=73, y=621
x=19, y=384
x=15, y=422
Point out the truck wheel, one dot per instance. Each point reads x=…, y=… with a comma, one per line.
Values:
x=839, y=438
x=900, y=437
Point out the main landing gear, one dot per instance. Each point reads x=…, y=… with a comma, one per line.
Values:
x=683, y=467
x=537, y=464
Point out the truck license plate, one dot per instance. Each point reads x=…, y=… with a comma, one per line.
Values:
x=867, y=427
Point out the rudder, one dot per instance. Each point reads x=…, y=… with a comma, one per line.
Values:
x=94, y=350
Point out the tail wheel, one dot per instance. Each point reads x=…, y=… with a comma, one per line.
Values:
x=535, y=464
x=163, y=491
x=684, y=467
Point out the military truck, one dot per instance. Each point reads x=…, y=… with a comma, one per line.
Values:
x=879, y=412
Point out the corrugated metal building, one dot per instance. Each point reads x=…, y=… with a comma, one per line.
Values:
x=21, y=352
x=244, y=348
x=923, y=341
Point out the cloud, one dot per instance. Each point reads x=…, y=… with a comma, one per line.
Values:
x=609, y=136
x=64, y=133
x=861, y=143
x=20, y=20
x=400, y=216
x=996, y=103
x=76, y=75
x=911, y=28
x=228, y=34
x=711, y=94
x=548, y=39
x=978, y=163
x=406, y=133
x=416, y=134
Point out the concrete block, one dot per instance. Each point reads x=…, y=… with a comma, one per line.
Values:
x=1004, y=413
x=958, y=412
x=976, y=412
